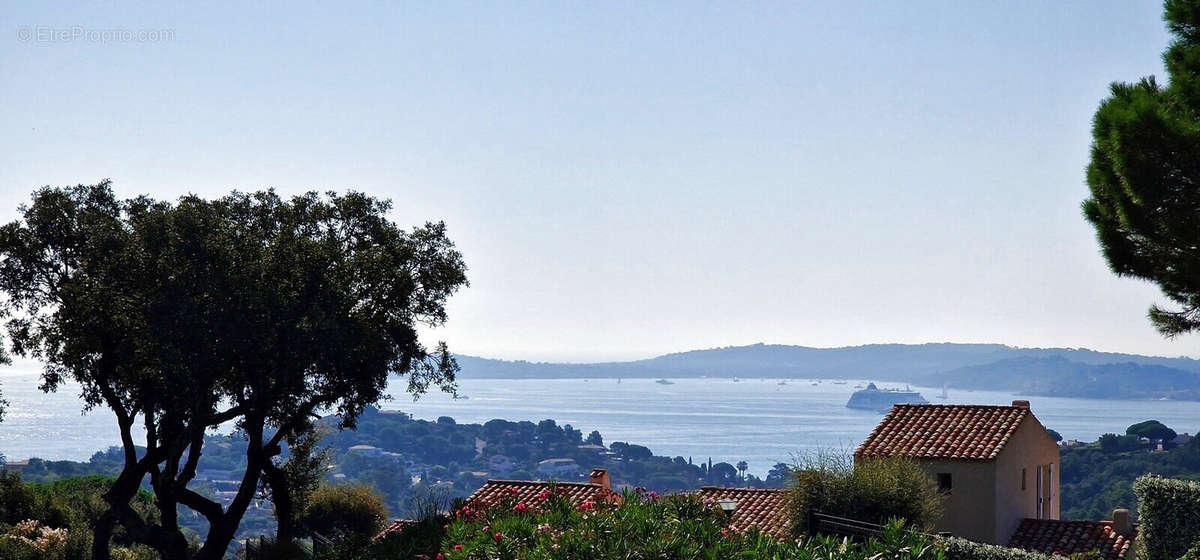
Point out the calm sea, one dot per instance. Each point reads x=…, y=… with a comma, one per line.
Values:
x=756, y=420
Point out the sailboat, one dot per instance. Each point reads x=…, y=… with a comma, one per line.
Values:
x=943, y=395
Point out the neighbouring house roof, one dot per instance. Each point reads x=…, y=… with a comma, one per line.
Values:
x=764, y=509
x=939, y=431
x=1052, y=536
x=496, y=492
x=396, y=526
x=557, y=461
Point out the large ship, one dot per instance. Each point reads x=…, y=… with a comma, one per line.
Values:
x=874, y=398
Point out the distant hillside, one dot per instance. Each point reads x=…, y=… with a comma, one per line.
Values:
x=1065, y=371
x=1059, y=376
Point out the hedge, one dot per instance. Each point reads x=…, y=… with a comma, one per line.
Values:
x=963, y=549
x=1169, y=516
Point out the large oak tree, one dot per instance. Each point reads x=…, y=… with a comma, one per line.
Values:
x=250, y=309
x=1144, y=176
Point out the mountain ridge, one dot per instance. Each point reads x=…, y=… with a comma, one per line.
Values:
x=998, y=366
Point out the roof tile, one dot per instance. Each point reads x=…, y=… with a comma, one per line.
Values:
x=763, y=509
x=495, y=492
x=933, y=431
x=1052, y=536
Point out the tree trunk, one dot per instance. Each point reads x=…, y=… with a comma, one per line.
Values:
x=281, y=497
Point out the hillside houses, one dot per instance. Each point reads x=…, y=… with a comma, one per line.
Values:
x=996, y=468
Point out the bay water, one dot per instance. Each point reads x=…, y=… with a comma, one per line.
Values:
x=760, y=421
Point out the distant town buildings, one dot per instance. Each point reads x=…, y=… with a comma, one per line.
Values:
x=557, y=467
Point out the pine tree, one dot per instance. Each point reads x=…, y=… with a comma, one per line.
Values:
x=1144, y=176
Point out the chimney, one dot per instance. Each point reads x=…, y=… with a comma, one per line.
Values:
x=600, y=476
x=1121, y=523
x=1021, y=404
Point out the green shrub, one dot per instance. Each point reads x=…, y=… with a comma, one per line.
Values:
x=874, y=491
x=963, y=549
x=349, y=514
x=642, y=527
x=1169, y=513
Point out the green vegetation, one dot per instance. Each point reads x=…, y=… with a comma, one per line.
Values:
x=181, y=317
x=1151, y=429
x=54, y=521
x=448, y=454
x=1170, y=516
x=963, y=549
x=1099, y=477
x=647, y=527
x=874, y=490
x=350, y=515
x=1142, y=176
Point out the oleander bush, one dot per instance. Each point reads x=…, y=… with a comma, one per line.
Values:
x=874, y=490
x=1169, y=516
x=963, y=549
x=647, y=526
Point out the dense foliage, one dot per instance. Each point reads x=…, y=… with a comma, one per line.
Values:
x=181, y=317
x=348, y=514
x=963, y=549
x=1098, y=478
x=646, y=526
x=873, y=490
x=1143, y=176
x=53, y=521
x=1170, y=516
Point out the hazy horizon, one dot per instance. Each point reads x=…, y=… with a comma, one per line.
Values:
x=633, y=180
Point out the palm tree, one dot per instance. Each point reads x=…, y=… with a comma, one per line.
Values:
x=741, y=467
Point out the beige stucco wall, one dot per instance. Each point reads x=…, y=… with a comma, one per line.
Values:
x=968, y=510
x=986, y=503
x=1029, y=447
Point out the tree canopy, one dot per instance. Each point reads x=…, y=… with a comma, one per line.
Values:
x=1144, y=176
x=1152, y=429
x=250, y=309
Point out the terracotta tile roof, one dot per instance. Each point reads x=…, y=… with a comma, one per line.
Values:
x=940, y=431
x=495, y=492
x=396, y=526
x=1067, y=537
x=764, y=509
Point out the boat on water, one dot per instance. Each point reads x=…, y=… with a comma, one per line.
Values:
x=839, y=382
x=874, y=398
x=735, y=380
x=782, y=382
x=665, y=382
x=943, y=395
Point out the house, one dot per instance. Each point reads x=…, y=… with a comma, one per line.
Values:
x=366, y=450
x=1113, y=540
x=751, y=508
x=496, y=492
x=501, y=464
x=14, y=466
x=557, y=467
x=995, y=465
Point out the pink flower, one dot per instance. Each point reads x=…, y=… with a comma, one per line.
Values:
x=498, y=536
x=587, y=506
x=544, y=495
x=441, y=556
x=520, y=507
x=458, y=547
x=653, y=496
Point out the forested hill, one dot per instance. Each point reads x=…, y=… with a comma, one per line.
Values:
x=967, y=366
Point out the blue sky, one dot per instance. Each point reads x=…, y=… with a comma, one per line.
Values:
x=627, y=179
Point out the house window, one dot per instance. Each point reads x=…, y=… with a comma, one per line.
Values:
x=1022, y=479
x=945, y=482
